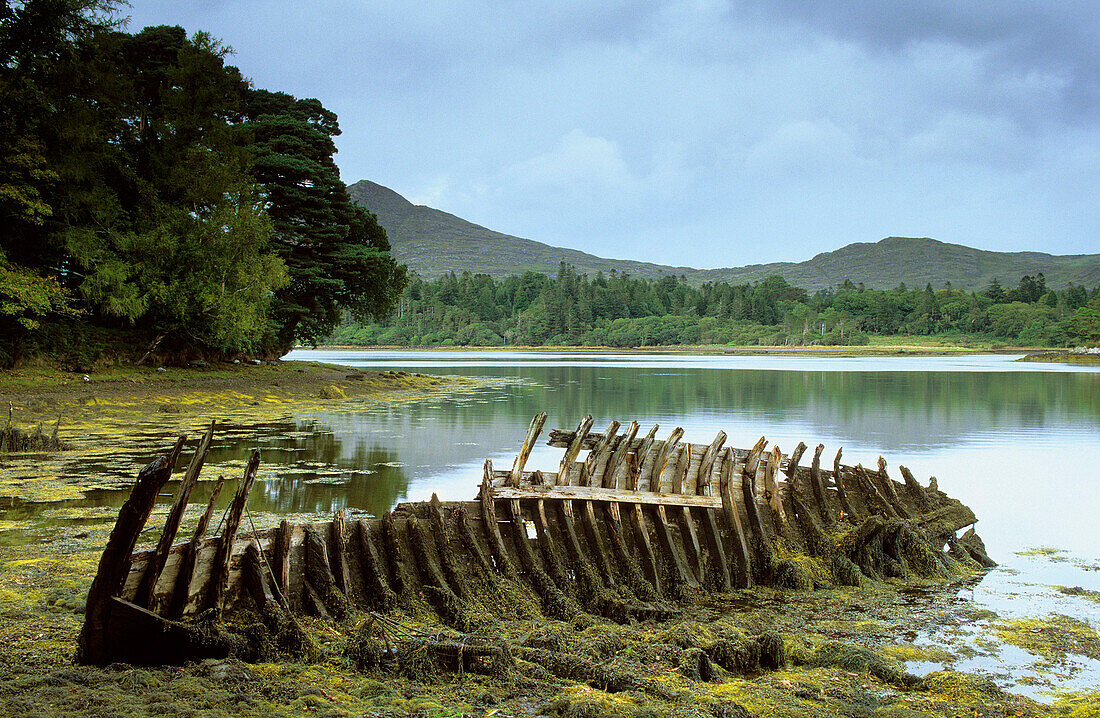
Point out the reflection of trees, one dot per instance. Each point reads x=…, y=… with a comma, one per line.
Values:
x=889, y=409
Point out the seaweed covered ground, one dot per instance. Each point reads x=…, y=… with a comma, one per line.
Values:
x=830, y=652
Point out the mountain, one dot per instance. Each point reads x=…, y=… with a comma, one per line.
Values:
x=432, y=242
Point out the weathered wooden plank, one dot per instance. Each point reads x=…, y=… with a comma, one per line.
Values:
x=640, y=457
x=337, y=555
x=732, y=517
x=872, y=491
x=753, y=458
x=489, y=519
x=172, y=523
x=680, y=468
x=592, y=582
x=664, y=453
x=692, y=547
x=597, y=458
x=172, y=605
x=220, y=576
x=642, y=589
x=596, y=542
x=673, y=549
x=452, y=568
x=817, y=485
x=282, y=561
x=619, y=455
x=378, y=592
x=771, y=488
x=914, y=490
x=93, y=645
x=595, y=493
x=645, y=546
x=525, y=451
x=702, y=484
x=473, y=544
x=319, y=575
x=890, y=490
x=548, y=544
x=846, y=507
x=792, y=462
x=574, y=449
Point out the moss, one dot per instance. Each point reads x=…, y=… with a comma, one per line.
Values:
x=1052, y=638
x=332, y=392
x=1078, y=704
x=1085, y=593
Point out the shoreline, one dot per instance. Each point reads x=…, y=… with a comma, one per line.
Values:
x=748, y=350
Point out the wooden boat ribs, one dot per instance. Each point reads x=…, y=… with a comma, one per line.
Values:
x=632, y=530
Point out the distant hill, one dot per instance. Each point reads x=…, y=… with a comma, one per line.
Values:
x=432, y=242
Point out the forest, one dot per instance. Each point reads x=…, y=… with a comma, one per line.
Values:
x=618, y=310
x=153, y=200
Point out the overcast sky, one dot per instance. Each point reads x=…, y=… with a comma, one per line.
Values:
x=702, y=133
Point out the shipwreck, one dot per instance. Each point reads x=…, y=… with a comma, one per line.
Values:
x=633, y=531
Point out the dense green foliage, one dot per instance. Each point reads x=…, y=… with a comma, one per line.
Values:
x=146, y=181
x=622, y=311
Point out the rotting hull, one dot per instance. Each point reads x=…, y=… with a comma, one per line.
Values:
x=636, y=529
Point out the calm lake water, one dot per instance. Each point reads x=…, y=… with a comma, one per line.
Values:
x=1018, y=442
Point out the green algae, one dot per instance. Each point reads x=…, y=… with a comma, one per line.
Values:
x=1052, y=638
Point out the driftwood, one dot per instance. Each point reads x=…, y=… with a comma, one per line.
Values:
x=629, y=532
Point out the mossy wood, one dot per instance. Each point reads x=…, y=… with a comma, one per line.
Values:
x=631, y=531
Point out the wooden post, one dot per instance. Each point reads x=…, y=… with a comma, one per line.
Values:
x=753, y=458
x=94, y=643
x=220, y=573
x=702, y=484
x=914, y=490
x=379, y=593
x=282, y=561
x=663, y=456
x=337, y=557
x=574, y=449
x=771, y=488
x=548, y=544
x=792, y=462
x=732, y=517
x=489, y=519
x=172, y=523
x=841, y=492
x=525, y=451
x=319, y=576
x=871, y=490
x=817, y=484
x=619, y=455
x=598, y=456
x=596, y=541
x=649, y=559
x=673, y=549
x=890, y=490
x=174, y=604
x=640, y=457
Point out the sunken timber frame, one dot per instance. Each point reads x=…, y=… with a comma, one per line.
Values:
x=638, y=526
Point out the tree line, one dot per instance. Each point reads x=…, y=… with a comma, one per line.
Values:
x=623, y=311
x=147, y=187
